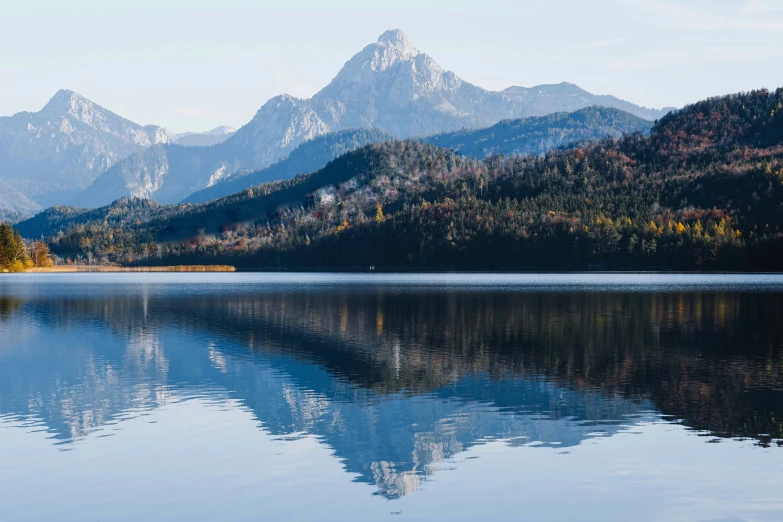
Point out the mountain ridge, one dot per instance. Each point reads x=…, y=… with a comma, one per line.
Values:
x=308, y=157
x=204, y=139
x=533, y=135
x=64, y=147
x=389, y=85
x=702, y=191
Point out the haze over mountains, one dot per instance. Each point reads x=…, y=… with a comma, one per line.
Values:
x=47, y=155
x=534, y=135
x=308, y=157
x=702, y=190
x=204, y=139
x=73, y=144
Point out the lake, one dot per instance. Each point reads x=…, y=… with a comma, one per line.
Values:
x=612, y=397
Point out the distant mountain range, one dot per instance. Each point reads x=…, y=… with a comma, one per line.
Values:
x=74, y=151
x=204, y=139
x=702, y=190
x=541, y=134
x=525, y=136
x=306, y=158
x=47, y=156
x=14, y=205
x=534, y=135
x=389, y=86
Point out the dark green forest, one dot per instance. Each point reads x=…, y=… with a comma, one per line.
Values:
x=17, y=256
x=13, y=251
x=703, y=191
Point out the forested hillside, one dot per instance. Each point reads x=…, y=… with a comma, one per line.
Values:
x=703, y=191
x=123, y=213
x=534, y=135
x=306, y=158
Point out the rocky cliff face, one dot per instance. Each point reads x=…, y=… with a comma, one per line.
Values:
x=392, y=86
x=65, y=146
x=389, y=86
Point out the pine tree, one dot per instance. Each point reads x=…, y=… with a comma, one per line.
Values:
x=13, y=254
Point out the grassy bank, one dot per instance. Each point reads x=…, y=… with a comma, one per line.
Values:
x=84, y=268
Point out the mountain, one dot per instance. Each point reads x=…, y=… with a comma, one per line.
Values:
x=188, y=220
x=390, y=86
x=15, y=205
x=204, y=139
x=46, y=155
x=703, y=191
x=166, y=173
x=122, y=213
x=527, y=136
x=541, y=134
x=535, y=135
x=567, y=97
x=306, y=158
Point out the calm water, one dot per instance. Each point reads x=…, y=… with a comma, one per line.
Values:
x=356, y=397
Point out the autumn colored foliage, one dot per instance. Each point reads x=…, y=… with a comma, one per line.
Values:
x=703, y=191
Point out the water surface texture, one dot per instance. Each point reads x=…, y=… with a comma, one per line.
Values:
x=369, y=397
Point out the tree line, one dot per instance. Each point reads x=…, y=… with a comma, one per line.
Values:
x=703, y=191
x=16, y=255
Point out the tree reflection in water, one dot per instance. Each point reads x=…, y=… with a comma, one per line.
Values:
x=398, y=380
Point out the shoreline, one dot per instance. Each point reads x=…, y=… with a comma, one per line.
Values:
x=71, y=269
x=112, y=269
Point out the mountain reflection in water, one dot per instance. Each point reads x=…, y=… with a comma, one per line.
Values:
x=395, y=380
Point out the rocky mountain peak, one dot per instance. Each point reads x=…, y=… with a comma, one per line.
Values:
x=391, y=49
x=397, y=42
x=70, y=107
x=66, y=102
x=389, y=86
x=65, y=95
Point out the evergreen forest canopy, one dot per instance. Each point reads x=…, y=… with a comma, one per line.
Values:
x=703, y=191
x=14, y=253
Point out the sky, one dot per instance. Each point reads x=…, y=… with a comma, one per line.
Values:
x=191, y=65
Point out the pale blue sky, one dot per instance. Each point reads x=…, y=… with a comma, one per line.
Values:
x=196, y=64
